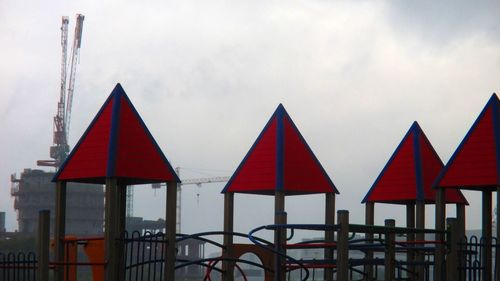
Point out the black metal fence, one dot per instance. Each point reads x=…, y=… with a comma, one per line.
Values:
x=144, y=256
x=18, y=266
x=471, y=262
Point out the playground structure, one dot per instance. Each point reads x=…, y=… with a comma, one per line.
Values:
x=118, y=150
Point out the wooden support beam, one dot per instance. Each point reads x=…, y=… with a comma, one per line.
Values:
x=171, y=217
x=60, y=229
x=410, y=223
x=227, y=266
x=343, y=245
x=486, y=228
x=452, y=256
x=461, y=219
x=121, y=210
x=462, y=238
x=420, y=215
x=390, y=252
x=110, y=229
x=420, y=224
x=329, y=235
x=439, y=270
x=43, y=245
x=369, y=220
x=279, y=235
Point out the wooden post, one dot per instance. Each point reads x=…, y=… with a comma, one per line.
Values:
x=343, y=245
x=110, y=228
x=420, y=224
x=171, y=224
x=121, y=210
x=369, y=220
x=452, y=256
x=486, y=255
x=43, y=245
x=410, y=223
x=279, y=234
x=329, y=235
x=390, y=251
x=60, y=229
x=461, y=220
x=227, y=266
x=420, y=216
x=440, y=215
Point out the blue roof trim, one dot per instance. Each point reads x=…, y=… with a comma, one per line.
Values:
x=365, y=199
x=428, y=143
x=311, y=152
x=496, y=128
x=462, y=143
x=83, y=137
x=152, y=139
x=118, y=92
x=280, y=148
x=418, y=161
x=426, y=140
x=242, y=163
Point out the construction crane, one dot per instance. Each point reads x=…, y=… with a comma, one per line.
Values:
x=194, y=181
x=60, y=149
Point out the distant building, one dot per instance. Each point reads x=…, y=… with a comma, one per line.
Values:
x=142, y=225
x=34, y=191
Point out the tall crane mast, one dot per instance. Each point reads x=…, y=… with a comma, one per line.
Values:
x=75, y=55
x=60, y=149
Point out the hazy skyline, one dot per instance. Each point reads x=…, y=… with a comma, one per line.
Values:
x=206, y=76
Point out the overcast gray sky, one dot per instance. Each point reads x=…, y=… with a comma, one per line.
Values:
x=207, y=75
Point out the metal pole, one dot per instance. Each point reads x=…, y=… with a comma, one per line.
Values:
x=390, y=251
x=43, y=244
x=369, y=220
x=60, y=229
x=343, y=245
x=329, y=235
x=227, y=266
x=171, y=224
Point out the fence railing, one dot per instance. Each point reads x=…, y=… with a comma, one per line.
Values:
x=18, y=266
x=144, y=256
x=470, y=257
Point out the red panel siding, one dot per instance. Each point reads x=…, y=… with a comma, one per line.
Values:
x=258, y=173
x=302, y=172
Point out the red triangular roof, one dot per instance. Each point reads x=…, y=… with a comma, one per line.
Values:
x=410, y=172
x=280, y=159
x=476, y=162
x=117, y=144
